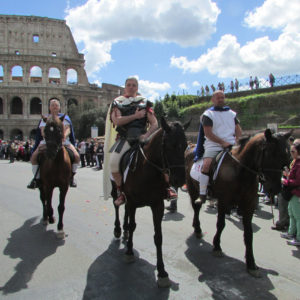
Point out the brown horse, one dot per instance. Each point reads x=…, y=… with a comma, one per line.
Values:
x=55, y=171
x=145, y=185
x=261, y=157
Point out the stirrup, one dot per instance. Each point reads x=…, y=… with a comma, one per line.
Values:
x=120, y=200
x=171, y=194
x=201, y=199
x=34, y=183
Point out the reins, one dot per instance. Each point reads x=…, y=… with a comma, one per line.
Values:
x=166, y=167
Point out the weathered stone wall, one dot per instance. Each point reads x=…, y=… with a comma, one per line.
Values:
x=39, y=61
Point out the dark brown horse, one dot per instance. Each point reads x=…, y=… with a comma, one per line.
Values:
x=145, y=185
x=55, y=171
x=261, y=157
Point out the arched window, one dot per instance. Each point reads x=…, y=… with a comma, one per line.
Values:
x=54, y=76
x=1, y=73
x=35, y=106
x=35, y=74
x=32, y=134
x=71, y=76
x=17, y=73
x=16, y=107
x=1, y=106
x=16, y=134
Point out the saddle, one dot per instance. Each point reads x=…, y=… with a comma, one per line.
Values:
x=41, y=155
x=129, y=160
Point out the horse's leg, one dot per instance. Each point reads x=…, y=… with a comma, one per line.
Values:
x=126, y=224
x=129, y=255
x=117, y=229
x=61, y=208
x=163, y=278
x=196, y=220
x=217, y=251
x=43, y=200
x=248, y=239
x=48, y=197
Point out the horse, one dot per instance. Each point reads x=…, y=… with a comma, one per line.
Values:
x=55, y=171
x=145, y=185
x=260, y=158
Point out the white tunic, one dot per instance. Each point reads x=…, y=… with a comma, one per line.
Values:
x=223, y=127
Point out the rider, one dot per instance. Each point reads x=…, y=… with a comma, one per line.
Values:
x=130, y=114
x=40, y=144
x=221, y=130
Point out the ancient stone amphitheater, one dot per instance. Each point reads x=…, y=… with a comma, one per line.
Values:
x=39, y=61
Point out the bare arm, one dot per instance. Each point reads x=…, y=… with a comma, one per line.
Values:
x=238, y=132
x=67, y=132
x=153, y=125
x=120, y=120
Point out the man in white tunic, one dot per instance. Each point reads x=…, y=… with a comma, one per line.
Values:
x=221, y=130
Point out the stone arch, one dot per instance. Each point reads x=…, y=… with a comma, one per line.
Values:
x=1, y=73
x=1, y=134
x=35, y=106
x=54, y=75
x=72, y=77
x=17, y=73
x=35, y=74
x=16, y=106
x=32, y=134
x=1, y=106
x=16, y=134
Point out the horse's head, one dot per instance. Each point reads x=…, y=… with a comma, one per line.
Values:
x=275, y=155
x=174, y=146
x=54, y=133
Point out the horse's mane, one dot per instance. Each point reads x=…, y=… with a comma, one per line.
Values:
x=242, y=142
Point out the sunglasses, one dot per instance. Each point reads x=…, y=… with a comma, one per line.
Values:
x=293, y=151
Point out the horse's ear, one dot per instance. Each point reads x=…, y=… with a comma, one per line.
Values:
x=187, y=124
x=268, y=134
x=165, y=125
x=62, y=117
x=44, y=118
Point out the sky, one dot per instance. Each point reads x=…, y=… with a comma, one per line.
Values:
x=177, y=46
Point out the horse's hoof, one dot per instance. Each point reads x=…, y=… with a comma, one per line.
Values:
x=199, y=235
x=60, y=234
x=218, y=253
x=44, y=221
x=129, y=259
x=52, y=220
x=254, y=272
x=117, y=233
x=125, y=235
x=163, y=282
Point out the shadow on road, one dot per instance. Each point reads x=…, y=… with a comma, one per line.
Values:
x=109, y=277
x=227, y=277
x=31, y=243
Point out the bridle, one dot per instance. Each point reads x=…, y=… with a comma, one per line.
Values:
x=53, y=144
x=166, y=166
x=260, y=172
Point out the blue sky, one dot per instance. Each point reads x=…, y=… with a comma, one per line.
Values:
x=176, y=46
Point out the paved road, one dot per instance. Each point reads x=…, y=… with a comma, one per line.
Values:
x=89, y=264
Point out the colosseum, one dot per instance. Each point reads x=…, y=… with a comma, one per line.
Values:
x=39, y=61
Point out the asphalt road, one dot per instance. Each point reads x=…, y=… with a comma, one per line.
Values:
x=88, y=263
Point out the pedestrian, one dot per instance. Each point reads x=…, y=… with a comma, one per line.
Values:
x=256, y=82
x=271, y=79
x=236, y=84
x=82, y=152
x=251, y=83
x=293, y=181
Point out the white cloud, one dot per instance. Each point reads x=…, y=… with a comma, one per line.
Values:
x=196, y=83
x=182, y=86
x=99, y=24
x=260, y=56
x=151, y=89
